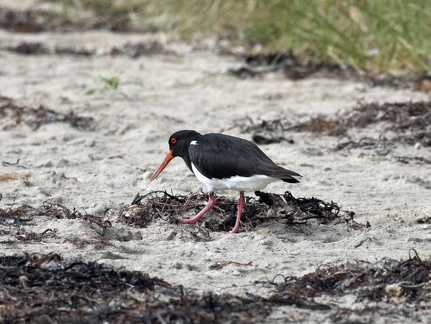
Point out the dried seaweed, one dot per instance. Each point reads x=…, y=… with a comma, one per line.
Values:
x=387, y=280
x=47, y=288
x=284, y=209
x=416, y=137
x=29, y=48
x=409, y=121
x=380, y=145
x=412, y=116
x=256, y=65
x=292, y=67
x=27, y=236
x=135, y=50
x=415, y=159
x=15, y=218
x=14, y=164
x=260, y=139
x=400, y=123
x=35, y=117
x=132, y=50
x=19, y=21
x=397, y=116
x=418, y=82
x=160, y=204
x=76, y=51
x=38, y=20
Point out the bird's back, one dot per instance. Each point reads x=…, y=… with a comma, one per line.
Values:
x=222, y=156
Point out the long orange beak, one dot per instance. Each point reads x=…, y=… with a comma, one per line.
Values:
x=165, y=162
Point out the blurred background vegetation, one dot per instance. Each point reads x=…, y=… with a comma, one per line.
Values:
x=368, y=35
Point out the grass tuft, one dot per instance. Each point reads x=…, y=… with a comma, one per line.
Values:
x=368, y=35
x=109, y=83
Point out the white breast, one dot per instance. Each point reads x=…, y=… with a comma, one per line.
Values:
x=253, y=183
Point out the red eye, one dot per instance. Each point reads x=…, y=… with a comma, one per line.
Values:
x=173, y=140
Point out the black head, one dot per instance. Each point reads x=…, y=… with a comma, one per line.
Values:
x=178, y=146
x=179, y=142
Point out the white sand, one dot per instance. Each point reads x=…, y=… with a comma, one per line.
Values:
x=167, y=93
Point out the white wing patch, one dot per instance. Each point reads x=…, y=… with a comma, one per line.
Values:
x=194, y=143
x=253, y=183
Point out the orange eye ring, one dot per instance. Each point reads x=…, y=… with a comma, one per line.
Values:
x=173, y=140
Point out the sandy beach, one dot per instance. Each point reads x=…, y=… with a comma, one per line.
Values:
x=100, y=168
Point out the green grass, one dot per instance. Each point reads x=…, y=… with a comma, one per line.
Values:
x=371, y=35
x=108, y=83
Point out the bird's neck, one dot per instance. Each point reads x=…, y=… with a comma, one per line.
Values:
x=186, y=158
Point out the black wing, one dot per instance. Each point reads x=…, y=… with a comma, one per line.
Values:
x=222, y=156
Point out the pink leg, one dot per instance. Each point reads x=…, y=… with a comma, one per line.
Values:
x=241, y=202
x=208, y=207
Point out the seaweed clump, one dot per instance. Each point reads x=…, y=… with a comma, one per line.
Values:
x=268, y=207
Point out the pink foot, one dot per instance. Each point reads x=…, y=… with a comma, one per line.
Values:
x=208, y=207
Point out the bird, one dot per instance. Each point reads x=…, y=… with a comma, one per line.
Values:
x=224, y=162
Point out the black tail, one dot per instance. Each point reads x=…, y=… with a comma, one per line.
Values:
x=290, y=180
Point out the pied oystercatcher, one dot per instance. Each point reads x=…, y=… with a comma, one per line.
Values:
x=224, y=162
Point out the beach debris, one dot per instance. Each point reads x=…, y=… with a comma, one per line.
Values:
x=135, y=50
x=14, y=164
x=17, y=217
x=72, y=50
x=405, y=123
x=386, y=280
x=14, y=176
x=35, y=117
x=405, y=116
x=129, y=49
x=20, y=21
x=284, y=209
x=263, y=140
x=415, y=159
x=381, y=145
x=289, y=65
x=40, y=20
x=221, y=264
x=29, y=48
x=28, y=236
x=50, y=288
